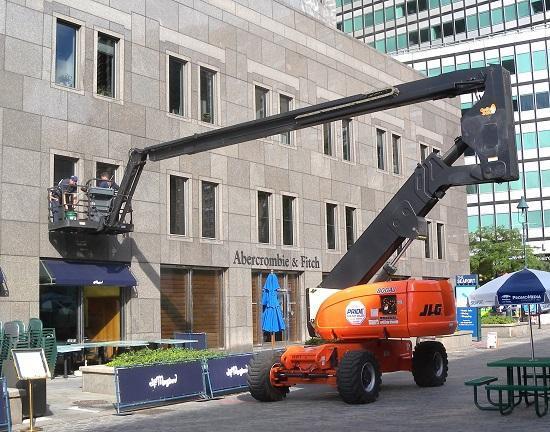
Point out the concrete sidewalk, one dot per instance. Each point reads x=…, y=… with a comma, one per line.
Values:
x=69, y=406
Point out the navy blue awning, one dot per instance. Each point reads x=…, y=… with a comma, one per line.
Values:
x=75, y=273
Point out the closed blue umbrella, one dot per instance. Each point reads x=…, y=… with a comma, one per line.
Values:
x=272, y=316
x=524, y=287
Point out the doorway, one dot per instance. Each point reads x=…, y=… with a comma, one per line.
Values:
x=102, y=313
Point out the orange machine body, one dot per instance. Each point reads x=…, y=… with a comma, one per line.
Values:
x=377, y=317
x=398, y=309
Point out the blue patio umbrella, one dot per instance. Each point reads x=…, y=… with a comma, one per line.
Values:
x=272, y=315
x=524, y=287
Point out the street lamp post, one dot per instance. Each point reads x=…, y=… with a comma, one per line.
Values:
x=523, y=207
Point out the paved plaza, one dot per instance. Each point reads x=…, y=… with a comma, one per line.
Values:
x=401, y=406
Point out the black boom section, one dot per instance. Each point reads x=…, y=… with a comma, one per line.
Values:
x=488, y=129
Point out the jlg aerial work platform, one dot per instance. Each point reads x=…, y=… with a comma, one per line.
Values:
x=363, y=322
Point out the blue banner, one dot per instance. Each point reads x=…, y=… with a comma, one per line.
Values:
x=469, y=319
x=228, y=373
x=508, y=298
x=466, y=280
x=148, y=385
x=4, y=406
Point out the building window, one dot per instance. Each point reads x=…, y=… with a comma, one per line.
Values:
x=423, y=152
x=350, y=227
x=66, y=53
x=346, y=139
x=63, y=167
x=209, y=209
x=106, y=169
x=106, y=65
x=428, y=240
x=381, y=149
x=396, y=153
x=285, y=105
x=176, y=86
x=440, y=231
x=191, y=301
x=288, y=220
x=207, y=95
x=261, y=100
x=330, y=214
x=327, y=139
x=290, y=307
x=177, y=205
x=447, y=28
x=263, y=217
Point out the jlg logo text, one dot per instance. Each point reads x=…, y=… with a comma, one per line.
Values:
x=430, y=310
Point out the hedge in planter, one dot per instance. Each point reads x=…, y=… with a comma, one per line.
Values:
x=161, y=356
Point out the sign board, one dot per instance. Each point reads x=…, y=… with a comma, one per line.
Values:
x=149, y=385
x=30, y=363
x=492, y=340
x=468, y=318
x=4, y=406
x=228, y=373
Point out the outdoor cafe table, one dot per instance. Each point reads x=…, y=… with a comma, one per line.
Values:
x=174, y=342
x=526, y=369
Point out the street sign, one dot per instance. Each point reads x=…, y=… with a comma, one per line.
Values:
x=468, y=318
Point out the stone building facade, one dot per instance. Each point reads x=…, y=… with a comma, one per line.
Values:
x=83, y=81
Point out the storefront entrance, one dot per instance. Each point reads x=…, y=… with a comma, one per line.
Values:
x=289, y=298
x=102, y=313
x=92, y=310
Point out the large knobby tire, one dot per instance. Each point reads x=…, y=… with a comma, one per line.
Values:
x=429, y=364
x=358, y=377
x=259, y=383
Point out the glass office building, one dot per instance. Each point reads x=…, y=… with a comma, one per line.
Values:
x=439, y=36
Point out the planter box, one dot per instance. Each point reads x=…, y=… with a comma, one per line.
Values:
x=98, y=379
x=505, y=331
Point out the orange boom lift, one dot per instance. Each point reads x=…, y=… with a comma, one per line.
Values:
x=368, y=326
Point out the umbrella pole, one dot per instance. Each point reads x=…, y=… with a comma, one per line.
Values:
x=531, y=331
x=272, y=341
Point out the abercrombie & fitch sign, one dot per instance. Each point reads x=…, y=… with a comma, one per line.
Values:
x=280, y=260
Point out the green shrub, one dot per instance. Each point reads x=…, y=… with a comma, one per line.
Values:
x=315, y=341
x=498, y=319
x=158, y=356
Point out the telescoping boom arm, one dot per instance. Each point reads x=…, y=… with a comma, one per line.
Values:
x=487, y=128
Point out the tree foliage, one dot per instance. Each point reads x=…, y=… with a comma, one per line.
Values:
x=497, y=251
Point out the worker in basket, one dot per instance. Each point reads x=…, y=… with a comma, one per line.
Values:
x=63, y=199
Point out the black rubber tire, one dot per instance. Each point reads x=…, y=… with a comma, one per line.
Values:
x=430, y=365
x=358, y=377
x=259, y=383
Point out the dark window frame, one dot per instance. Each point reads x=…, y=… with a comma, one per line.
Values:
x=178, y=208
x=331, y=225
x=350, y=226
x=288, y=220
x=177, y=98
x=62, y=80
x=264, y=217
x=107, y=66
x=209, y=211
